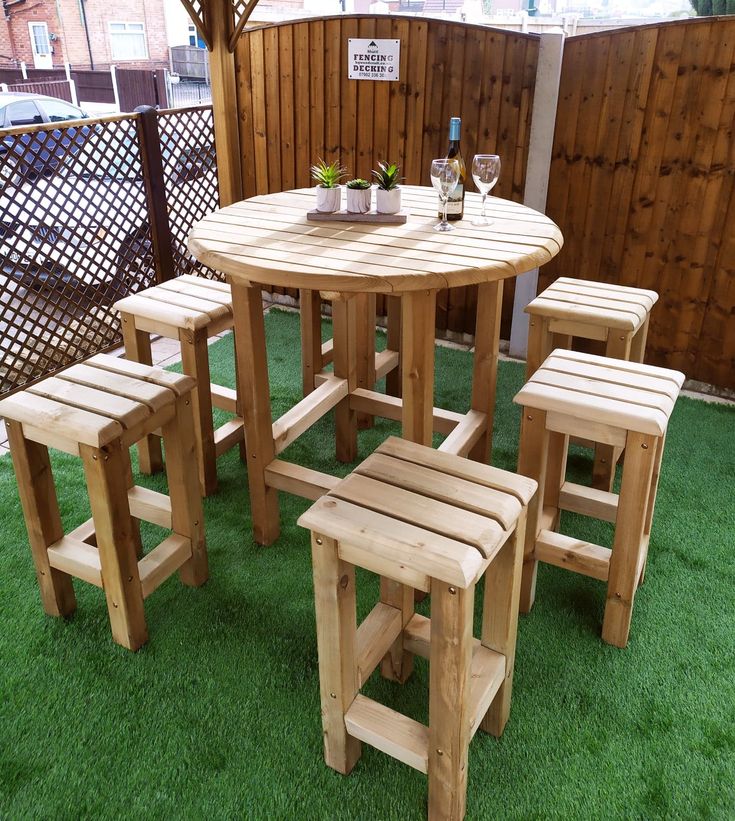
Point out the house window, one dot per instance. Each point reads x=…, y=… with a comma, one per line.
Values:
x=128, y=41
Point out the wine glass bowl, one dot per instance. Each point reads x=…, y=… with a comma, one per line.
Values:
x=485, y=173
x=444, y=178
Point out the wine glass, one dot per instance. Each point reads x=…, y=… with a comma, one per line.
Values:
x=485, y=173
x=444, y=177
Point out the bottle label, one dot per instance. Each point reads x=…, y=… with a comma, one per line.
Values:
x=455, y=205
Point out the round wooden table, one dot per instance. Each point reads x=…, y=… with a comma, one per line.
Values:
x=267, y=240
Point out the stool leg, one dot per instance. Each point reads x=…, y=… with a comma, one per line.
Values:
x=556, y=469
x=397, y=664
x=449, y=691
x=500, y=620
x=104, y=469
x=336, y=631
x=187, y=516
x=344, y=315
x=365, y=338
x=539, y=344
x=130, y=482
x=43, y=520
x=626, y=558
x=618, y=346
x=485, y=363
x=393, y=378
x=652, y=503
x=532, y=462
x=311, y=337
x=638, y=344
x=195, y=362
x=138, y=349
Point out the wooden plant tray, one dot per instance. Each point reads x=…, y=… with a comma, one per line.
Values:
x=348, y=216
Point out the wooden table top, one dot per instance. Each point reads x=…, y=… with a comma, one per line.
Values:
x=267, y=239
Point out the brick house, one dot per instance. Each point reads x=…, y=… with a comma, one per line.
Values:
x=84, y=33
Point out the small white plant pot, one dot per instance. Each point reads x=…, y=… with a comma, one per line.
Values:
x=328, y=200
x=388, y=202
x=358, y=200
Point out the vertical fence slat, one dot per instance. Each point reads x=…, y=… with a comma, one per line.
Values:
x=248, y=160
x=302, y=102
x=415, y=112
x=285, y=74
x=260, y=121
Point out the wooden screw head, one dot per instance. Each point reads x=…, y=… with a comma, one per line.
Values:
x=318, y=541
x=452, y=590
x=644, y=446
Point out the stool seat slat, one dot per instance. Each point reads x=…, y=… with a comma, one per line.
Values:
x=123, y=410
x=595, y=387
x=152, y=395
x=625, y=367
x=436, y=485
x=156, y=311
x=588, y=406
x=213, y=285
x=481, y=532
x=392, y=543
x=609, y=373
x=610, y=287
x=177, y=382
x=189, y=301
x=61, y=420
x=569, y=307
x=519, y=486
x=196, y=289
x=628, y=296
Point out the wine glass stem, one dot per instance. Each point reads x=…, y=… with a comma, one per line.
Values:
x=446, y=204
x=484, y=197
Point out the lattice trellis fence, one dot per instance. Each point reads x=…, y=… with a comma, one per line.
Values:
x=190, y=176
x=76, y=235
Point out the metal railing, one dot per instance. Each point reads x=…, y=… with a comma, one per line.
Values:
x=91, y=211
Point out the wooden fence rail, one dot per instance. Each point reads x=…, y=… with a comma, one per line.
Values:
x=643, y=168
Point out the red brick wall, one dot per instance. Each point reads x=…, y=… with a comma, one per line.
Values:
x=71, y=45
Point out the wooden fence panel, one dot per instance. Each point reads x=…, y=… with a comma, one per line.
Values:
x=296, y=104
x=642, y=181
x=94, y=86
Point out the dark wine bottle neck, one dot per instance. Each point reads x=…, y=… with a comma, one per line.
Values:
x=453, y=149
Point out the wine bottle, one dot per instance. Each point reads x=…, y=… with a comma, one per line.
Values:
x=455, y=205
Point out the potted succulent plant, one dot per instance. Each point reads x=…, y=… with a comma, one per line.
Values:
x=328, y=189
x=358, y=196
x=388, y=195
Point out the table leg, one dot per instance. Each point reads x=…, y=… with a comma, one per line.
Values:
x=417, y=354
x=393, y=308
x=311, y=337
x=365, y=315
x=344, y=316
x=254, y=392
x=485, y=363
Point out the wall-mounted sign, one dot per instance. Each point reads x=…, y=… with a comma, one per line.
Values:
x=373, y=59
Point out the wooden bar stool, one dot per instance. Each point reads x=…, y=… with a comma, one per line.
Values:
x=189, y=309
x=576, y=308
x=617, y=403
x=436, y=522
x=96, y=411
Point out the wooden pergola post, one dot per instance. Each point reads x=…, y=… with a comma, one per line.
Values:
x=220, y=23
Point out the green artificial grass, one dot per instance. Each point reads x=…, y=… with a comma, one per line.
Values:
x=218, y=716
